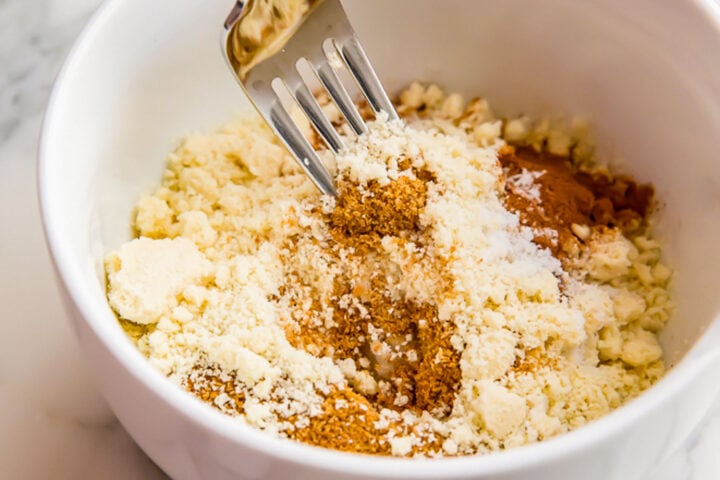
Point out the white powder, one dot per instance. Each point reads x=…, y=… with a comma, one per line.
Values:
x=523, y=184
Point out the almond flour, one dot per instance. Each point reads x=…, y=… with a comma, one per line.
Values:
x=478, y=283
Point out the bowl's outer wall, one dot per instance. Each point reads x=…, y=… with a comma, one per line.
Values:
x=646, y=73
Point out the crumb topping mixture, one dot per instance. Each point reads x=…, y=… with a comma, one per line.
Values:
x=477, y=284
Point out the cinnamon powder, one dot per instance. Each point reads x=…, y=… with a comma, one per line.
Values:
x=570, y=197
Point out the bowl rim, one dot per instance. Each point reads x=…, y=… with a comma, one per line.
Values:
x=197, y=412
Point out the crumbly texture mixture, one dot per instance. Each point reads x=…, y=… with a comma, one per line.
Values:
x=478, y=284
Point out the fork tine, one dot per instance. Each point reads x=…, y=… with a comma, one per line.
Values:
x=361, y=69
x=257, y=67
x=322, y=125
x=340, y=96
x=295, y=141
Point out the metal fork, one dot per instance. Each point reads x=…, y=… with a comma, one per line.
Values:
x=261, y=69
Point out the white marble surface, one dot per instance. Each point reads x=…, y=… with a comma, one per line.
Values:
x=53, y=423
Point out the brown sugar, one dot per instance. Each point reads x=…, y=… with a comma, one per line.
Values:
x=388, y=210
x=347, y=423
x=568, y=196
x=209, y=383
x=408, y=348
x=401, y=344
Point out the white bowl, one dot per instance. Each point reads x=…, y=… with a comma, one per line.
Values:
x=145, y=73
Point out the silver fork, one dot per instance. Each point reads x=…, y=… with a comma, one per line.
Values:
x=262, y=68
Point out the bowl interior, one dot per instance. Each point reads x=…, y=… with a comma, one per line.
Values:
x=126, y=100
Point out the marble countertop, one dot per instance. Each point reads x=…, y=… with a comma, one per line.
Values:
x=53, y=423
